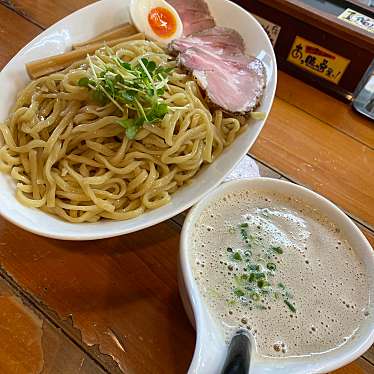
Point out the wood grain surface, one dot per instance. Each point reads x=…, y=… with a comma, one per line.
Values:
x=112, y=305
x=15, y=32
x=30, y=343
x=333, y=112
x=44, y=12
x=121, y=293
x=316, y=155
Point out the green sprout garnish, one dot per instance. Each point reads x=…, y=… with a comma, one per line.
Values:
x=137, y=87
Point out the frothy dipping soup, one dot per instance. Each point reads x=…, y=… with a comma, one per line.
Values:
x=278, y=267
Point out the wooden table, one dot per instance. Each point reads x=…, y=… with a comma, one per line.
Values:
x=103, y=306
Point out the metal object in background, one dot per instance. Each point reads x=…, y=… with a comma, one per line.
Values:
x=367, y=2
x=363, y=101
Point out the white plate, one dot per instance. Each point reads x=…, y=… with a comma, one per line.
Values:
x=83, y=25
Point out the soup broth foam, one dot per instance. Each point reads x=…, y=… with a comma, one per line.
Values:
x=279, y=268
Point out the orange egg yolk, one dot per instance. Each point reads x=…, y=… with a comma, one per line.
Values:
x=162, y=22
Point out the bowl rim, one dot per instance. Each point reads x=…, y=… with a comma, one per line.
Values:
x=191, y=293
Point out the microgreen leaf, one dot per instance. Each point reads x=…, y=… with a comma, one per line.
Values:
x=160, y=91
x=131, y=125
x=128, y=95
x=151, y=66
x=126, y=65
x=144, y=61
x=161, y=110
x=83, y=82
x=139, y=87
x=99, y=97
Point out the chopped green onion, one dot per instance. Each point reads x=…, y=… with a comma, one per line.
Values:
x=254, y=267
x=244, y=234
x=271, y=266
x=278, y=250
x=259, y=275
x=262, y=283
x=292, y=308
x=231, y=230
x=236, y=256
x=255, y=296
x=238, y=292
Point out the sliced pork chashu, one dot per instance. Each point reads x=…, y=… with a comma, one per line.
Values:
x=195, y=15
x=232, y=80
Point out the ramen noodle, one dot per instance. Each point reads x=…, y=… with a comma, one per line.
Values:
x=69, y=156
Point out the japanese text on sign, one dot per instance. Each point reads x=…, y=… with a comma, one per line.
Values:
x=317, y=60
x=271, y=29
x=358, y=19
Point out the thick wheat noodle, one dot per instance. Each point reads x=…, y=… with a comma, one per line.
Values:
x=70, y=158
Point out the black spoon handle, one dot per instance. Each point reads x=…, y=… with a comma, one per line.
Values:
x=238, y=357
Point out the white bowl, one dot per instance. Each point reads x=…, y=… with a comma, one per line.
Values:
x=210, y=350
x=85, y=24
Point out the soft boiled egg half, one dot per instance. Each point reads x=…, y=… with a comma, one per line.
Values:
x=157, y=19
